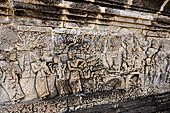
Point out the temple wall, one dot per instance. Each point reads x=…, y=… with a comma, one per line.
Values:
x=82, y=52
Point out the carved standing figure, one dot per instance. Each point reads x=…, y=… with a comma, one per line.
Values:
x=12, y=74
x=148, y=65
x=61, y=79
x=75, y=66
x=167, y=68
x=42, y=72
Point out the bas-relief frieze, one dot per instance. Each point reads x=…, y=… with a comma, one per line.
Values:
x=43, y=65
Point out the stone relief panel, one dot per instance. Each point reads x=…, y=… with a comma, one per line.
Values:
x=39, y=65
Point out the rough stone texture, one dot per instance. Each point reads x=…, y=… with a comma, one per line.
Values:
x=167, y=7
x=149, y=4
x=67, y=55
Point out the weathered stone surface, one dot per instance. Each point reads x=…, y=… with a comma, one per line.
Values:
x=51, y=1
x=118, y=1
x=85, y=6
x=66, y=56
x=39, y=8
x=164, y=20
x=167, y=7
x=39, y=15
x=149, y=4
x=37, y=22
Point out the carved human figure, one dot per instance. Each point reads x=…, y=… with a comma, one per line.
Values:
x=167, y=68
x=151, y=53
x=4, y=94
x=42, y=72
x=75, y=66
x=12, y=74
x=122, y=58
x=148, y=65
x=61, y=79
x=161, y=63
x=2, y=63
x=126, y=62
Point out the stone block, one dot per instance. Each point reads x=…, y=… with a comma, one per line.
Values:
x=149, y=4
x=37, y=22
x=85, y=6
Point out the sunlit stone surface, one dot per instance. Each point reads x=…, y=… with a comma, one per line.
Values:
x=84, y=56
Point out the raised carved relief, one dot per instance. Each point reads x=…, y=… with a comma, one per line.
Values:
x=65, y=64
x=11, y=75
x=61, y=79
x=40, y=68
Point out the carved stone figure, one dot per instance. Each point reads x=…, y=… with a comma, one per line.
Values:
x=61, y=79
x=42, y=72
x=161, y=64
x=167, y=68
x=2, y=63
x=148, y=65
x=12, y=74
x=75, y=65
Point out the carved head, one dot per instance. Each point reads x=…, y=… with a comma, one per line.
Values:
x=155, y=44
x=39, y=54
x=56, y=59
x=35, y=57
x=148, y=54
x=70, y=55
x=12, y=55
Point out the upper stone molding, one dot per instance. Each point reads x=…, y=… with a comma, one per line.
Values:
x=153, y=6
